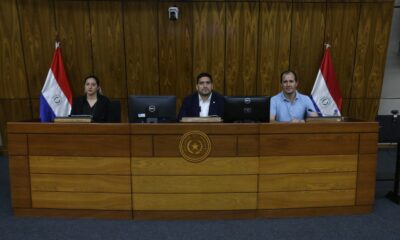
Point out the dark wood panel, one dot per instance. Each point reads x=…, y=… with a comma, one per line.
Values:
x=78, y=145
x=108, y=47
x=13, y=82
x=307, y=42
x=241, y=48
x=368, y=143
x=73, y=24
x=70, y=128
x=175, y=50
x=341, y=33
x=274, y=45
x=372, y=41
x=141, y=47
x=365, y=109
x=38, y=34
x=182, y=128
x=366, y=178
x=223, y=146
x=17, y=144
x=209, y=41
x=308, y=144
x=20, y=181
x=168, y=146
x=13, y=110
x=141, y=146
x=248, y=145
x=320, y=127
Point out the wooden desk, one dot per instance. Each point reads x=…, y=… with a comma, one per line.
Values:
x=179, y=171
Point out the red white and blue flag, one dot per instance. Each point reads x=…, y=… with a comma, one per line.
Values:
x=326, y=91
x=56, y=95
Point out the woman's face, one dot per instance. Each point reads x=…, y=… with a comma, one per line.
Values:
x=91, y=86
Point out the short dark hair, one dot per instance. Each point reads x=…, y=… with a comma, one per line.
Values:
x=288, y=72
x=94, y=77
x=204, y=74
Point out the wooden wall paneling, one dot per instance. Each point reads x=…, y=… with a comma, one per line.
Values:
x=194, y=184
x=79, y=145
x=13, y=110
x=141, y=47
x=304, y=199
x=274, y=45
x=308, y=144
x=173, y=166
x=307, y=43
x=68, y=200
x=108, y=47
x=209, y=41
x=241, y=48
x=73, y=24
x=80, y=183
x=195, y=201
x=372, y=41
x=175, y=50
x=341, y=33
x=38, y=35
x=307, y=182
x=308, y=164
x=80, y=165
x=13, y=82
x=365, y=109
x=20, y=181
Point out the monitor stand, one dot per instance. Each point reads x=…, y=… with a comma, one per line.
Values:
x=394, y=195
x=151, y=120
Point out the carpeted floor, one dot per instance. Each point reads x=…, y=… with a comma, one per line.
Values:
x=383, y=223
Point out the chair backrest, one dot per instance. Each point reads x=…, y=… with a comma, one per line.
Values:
x=115, y=111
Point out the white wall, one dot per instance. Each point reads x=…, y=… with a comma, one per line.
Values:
x=390, y=95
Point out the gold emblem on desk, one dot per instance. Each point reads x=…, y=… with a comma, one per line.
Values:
x=195, y=146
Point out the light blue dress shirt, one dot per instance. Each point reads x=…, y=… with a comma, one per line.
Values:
x=286, y=111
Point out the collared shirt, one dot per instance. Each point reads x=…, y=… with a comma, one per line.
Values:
x=286, y=110
x=204, y=106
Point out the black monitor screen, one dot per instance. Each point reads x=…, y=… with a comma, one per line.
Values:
x=152, y=109
x=246, y=109
x=389, y=128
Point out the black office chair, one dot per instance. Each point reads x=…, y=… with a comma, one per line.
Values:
x=115, y=111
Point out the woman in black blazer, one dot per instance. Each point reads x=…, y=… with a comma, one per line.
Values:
x=93, y=102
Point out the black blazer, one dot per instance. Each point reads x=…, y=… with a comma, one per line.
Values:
x=190, y=106
x=100, y=111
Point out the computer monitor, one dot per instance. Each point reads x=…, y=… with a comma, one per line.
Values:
x=152, y=109
x=389, y=128
x=246, y=109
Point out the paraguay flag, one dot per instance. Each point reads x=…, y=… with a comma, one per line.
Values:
x=326, y=92
x=56, y=96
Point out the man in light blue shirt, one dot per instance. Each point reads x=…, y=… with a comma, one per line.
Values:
x=290, y=105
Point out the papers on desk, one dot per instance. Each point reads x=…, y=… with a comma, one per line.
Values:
x=324, y=119
x=74, y=119
x=211, y=119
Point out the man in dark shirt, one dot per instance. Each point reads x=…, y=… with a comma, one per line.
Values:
x=205, y=102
